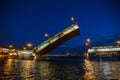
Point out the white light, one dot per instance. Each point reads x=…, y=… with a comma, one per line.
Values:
x=108, y=49
x=46, y=34
x=76, y=27
x=72, y=19
x=91, y=50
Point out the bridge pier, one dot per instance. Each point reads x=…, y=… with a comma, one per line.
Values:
x=87, y=55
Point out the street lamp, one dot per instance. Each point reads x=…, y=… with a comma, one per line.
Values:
x=29, y=45
x=46, y=35
x=87, y=44
x=87, y=47
x=72, y=19
x=24, y=48
x=118, y=42
x=88, y=40
x=10, y=46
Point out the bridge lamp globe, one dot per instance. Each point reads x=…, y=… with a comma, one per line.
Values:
x=24, y=48
x=10, y=46
x=29, y=45
x=46, y=34
x=87, y=43
x=88, y=40
x=72, y=19
x=118, y=42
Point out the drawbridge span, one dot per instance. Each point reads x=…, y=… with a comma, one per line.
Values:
x=55, y=41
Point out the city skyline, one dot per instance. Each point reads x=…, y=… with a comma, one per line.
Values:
x=27, y=21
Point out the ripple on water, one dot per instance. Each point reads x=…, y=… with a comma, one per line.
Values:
x=12, y=69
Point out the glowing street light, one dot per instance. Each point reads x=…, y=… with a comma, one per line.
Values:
x=87, y=47
x=88, y=43
x=24, y=48
x=118, y=42
x=46, y=35
x=72, y=19
x=29, y=45
x=10, y=46
x=88, y=40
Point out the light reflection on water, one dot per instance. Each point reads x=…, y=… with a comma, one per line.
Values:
x=13, y=69
x=102, y=70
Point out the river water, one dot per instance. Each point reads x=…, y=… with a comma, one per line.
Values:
x=59, y=69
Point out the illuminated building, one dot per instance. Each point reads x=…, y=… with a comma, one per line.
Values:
x=4, y=50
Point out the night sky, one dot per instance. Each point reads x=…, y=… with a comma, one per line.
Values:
x=24, y=21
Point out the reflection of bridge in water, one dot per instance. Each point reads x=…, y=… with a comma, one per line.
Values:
x=55, y=41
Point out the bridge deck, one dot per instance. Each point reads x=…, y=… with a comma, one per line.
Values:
x=104, y=49
x=57, y=40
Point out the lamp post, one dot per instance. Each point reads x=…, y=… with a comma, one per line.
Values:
x=10, y=46
x=24, y=48
x=87, y=47
x=87, y=43
x=72, y=19
x=29, y=45
x=11, y=50
x=118, y=42
x=46, y=35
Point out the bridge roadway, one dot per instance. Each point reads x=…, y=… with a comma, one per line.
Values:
x=55, y=41
x=104, y=49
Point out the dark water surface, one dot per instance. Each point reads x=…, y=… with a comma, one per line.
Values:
x=59, y=69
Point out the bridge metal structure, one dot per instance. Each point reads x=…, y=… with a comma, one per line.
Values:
x=108, y=51
x=104, y=49
x=55, y=41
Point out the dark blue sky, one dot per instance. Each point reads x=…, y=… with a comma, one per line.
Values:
x=23, y=21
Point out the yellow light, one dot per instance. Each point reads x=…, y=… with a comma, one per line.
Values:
x=118, y=42
x=46, y=34
x=10, y=46
x=72, y=19
x=13, y=50
x=29, y=45
x=88, y=40
x=24, y=48
x=10, y=54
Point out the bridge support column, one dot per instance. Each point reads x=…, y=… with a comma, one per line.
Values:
x=87, y=55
